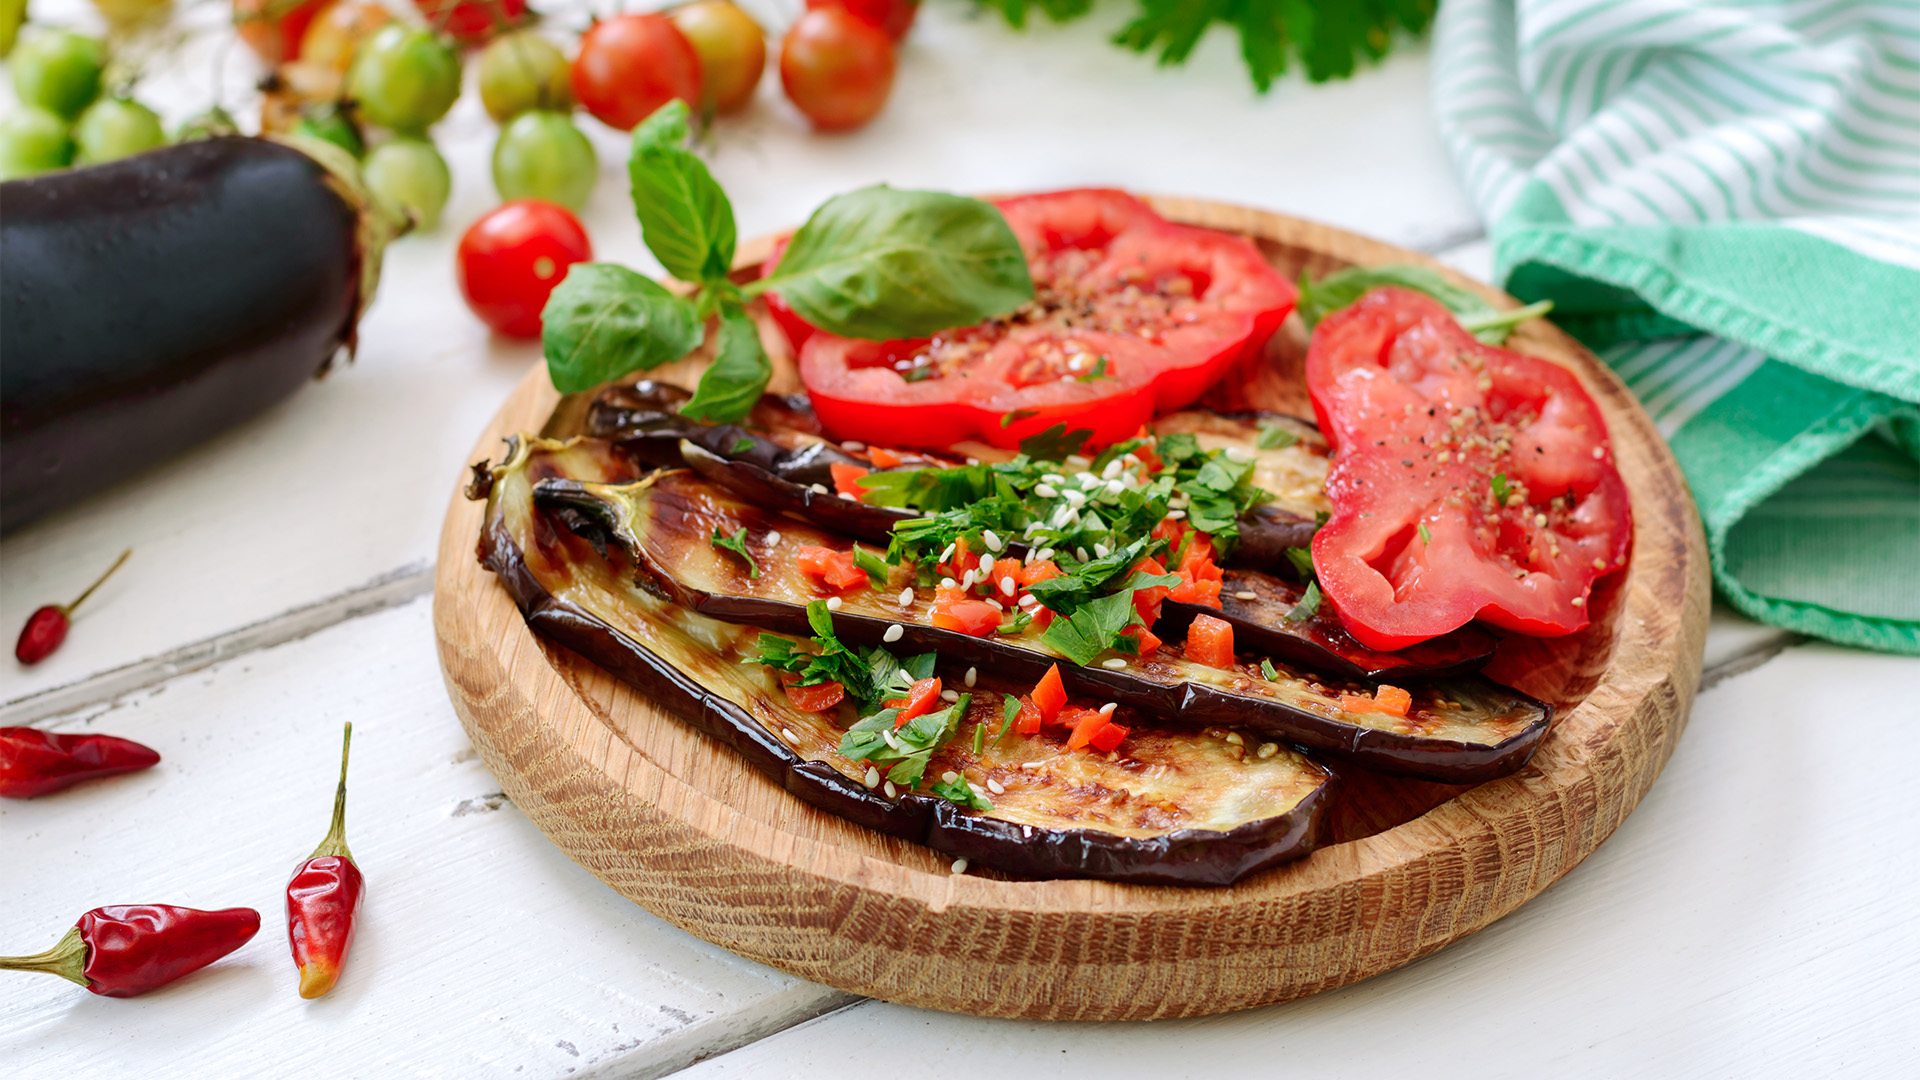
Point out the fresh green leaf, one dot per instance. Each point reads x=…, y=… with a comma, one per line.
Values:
x=603, y=321
x=1494, y=328
x=1309, y=604
x=1275, y=437
x=737, y=543
x=1267, y=670
x=741, y=445
x=1066, y=593
x=1099, y=371
x=1010, y=418
x=1009, y=712
x=1015, y=625
x=685, y=217
x=880, y=263
x=1321, y=298
x=1056, y=443
x=1302, y=561
x=875, y=566
x=962, y=793
x=732, y=384
x=830, y=662
x=1091, y=630
x=1425, y=536
x=1499, y=487
x=979, y=738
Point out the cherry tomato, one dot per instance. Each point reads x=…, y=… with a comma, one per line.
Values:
x=522, y=71
x=337, y=31
x=473, y=21
x=128, y=14
x=836, y=69
x=58, y=71
x=893, y=17
x=12, y=14
x=409, y=172
x=272, y=29
x=33, y=141
x=630, y=65
x=732, y=48
x=541, y=155
x=113, y=128
x=511, y=259
x=404, y=78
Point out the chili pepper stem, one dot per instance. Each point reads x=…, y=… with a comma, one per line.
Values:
x=336, y=841
x=67, y=609
x=68, y=959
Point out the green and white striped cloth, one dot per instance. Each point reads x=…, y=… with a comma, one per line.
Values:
x=1722, y=198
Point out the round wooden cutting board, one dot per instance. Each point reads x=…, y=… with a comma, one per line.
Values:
x=684, y=828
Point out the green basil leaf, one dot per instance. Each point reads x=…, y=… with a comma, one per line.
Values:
x=1321, y=298
x=740, y=370
x=685, y=218
x=603, y=321
x=880, y=263
x=1493, y=328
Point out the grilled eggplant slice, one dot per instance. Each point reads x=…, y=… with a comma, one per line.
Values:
x=1463, y=730
x=1170, y=806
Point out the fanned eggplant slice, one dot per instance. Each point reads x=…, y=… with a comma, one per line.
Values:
x=1461, y=730
x=1168, y=806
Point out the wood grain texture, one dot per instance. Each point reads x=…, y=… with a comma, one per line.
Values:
x=682, y=827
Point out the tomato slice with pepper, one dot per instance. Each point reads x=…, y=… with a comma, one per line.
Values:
x=1468, y=481
x=1132, y=314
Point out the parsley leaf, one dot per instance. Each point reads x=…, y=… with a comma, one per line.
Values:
x=1066, y=593
x=1091, y=630
x=1017, y=415
x=1308, y=607
x=961, y=792
x=1266, y=669
x=1056, y=443
x=1099, y=371
x=1425, y=536
x=869, y=678
x=1302, y=560
x=1275, y=437
x=741, y=446
x=737, y=543
x=875, y=566
x=1499, y=486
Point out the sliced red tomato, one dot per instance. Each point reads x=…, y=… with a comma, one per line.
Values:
x=1468, y=481
x=1132, y=314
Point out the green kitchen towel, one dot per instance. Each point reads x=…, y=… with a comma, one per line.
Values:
x=1722, y=198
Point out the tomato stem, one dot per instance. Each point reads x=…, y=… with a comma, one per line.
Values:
x=67, y=609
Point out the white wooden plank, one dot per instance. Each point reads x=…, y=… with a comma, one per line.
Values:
x=481, y=951
x=1752, y=918
x=345, y=483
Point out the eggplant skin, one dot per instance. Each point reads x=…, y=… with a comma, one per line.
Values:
x=153, y=302
x=1178, y=857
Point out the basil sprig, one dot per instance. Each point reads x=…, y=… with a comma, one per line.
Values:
x=874, y=263
x=1490, y=324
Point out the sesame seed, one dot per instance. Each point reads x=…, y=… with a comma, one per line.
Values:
x=1046, y=491
x=1237, y=751
x=833, y=603
x=1234, y=738
x=1246, y=594
x=1107, y=709
x=848, y=497
x=1075, y=499
x=773, y=537
x=973, y=461
x=872, y=779
x=787, y=734
x=949, y=695
x=1130, y=461
x=996, y=786
x=992, y=538
x=1101, y=550
x=1112, y=470
x=1239, y=454
x=1030, y=765
x=1115, y=487
x=1081, y=553
x=1029, y=600
x=971, y=576
x=1176, y=515
x=1114, y=664
x=945, y=555
x=972, y=674
x=1579, y=601
x=949, y=583
x=1047, y=553
x=1076, y=362
x=949, y=777
x=978, y=791
x=1009, y=586
x=891, y=790
x=887, y=734
x=853, y=445
x=906, y=596
x=894, y=633
x=817, y=489
x=960, y=866
x=995, y=604
x=1267, y=750
x=1539, y=521
x=1599, y=564
x=1599, y=452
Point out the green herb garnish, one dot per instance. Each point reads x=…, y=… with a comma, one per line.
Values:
x=1275, y=437
x=1425, y=536
x=1056, y=443
x=1499, y=486
x=1099, y=371
x=1266, y=669
x=741, y=445
x=1309, y=604
x=870, y=678
x=1321, y=298
x=737, y=543
x=962, y=793
x=1302, y=561
x=875, y=566
x=1090, y=631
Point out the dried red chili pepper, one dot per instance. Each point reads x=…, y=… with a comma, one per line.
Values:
x=130, y=949
x=35, y=762
x=47, y=627
x=323, y=898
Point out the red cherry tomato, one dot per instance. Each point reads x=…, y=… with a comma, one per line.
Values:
x=511, y=259
x=273, y=31
x=836, y=69
x=630, y=65
x=472, y=21
x=894, y=17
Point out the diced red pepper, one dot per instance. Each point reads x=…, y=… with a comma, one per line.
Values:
x=1210, y=641
x=1084, y=723
x=976, y=618
x=1358, y=703
x=846, y=478
x=919, y=700
x=816, y=698
x=1108, y=738
x=961, y=562
x=1035, y=573
x=1028, y=720
x=1148, y=642
x=1205, y=593
x=1049, y=694
x=1002, y=569
x=882, y=457
x=1392, y=699
x=835, y=568
x=1147, y=601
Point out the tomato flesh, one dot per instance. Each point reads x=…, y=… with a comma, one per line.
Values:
x=1132, y=315
x=1428, y=425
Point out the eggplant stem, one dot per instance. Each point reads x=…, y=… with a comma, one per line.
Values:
x=336, y=840
x=97, y=582
x=67, y=959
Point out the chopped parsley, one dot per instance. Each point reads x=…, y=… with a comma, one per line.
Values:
x=1499, y=486
x=1056, y=443
x=1425, y=536
x=1099, y=371
x=1092, y=630
x=1302, y=561
x=741, y=445
x=906, y=749
x=1017, y=415
x=1275, y=437
x=1309, y=604
x=737, y=543
x=1266, y=669
x=874, y=564
x=869, y=678
x=961, y=792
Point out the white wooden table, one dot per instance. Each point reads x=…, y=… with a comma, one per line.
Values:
x=1751, y=918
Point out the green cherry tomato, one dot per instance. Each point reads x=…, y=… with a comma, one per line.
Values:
x=330, y=122
x=404, y=79
x=541, y=155
x=410, y=173
x=113, y=128
x=12, y=14
x=33, y=141
x=58, y=71
x=522, y=71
